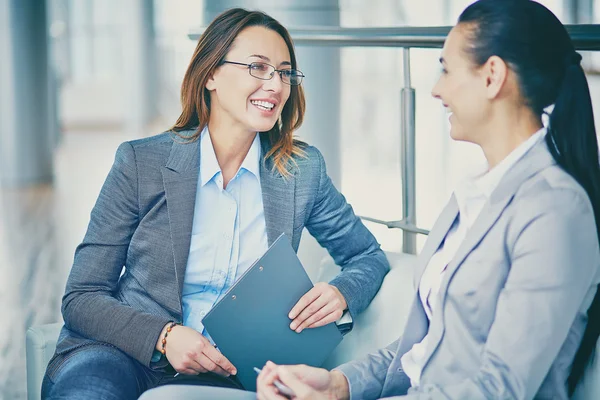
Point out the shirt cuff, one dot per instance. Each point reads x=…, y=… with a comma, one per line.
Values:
x=345, y=322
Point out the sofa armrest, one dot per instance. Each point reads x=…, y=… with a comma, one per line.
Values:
x=40, y=346
x=383, y=321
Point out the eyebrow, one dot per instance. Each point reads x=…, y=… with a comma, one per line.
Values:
x=268, y=59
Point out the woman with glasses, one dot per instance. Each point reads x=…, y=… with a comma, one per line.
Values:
x=183, y=214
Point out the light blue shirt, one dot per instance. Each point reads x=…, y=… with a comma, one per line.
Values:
x=229, y=231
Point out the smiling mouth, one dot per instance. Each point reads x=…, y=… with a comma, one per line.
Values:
x=263, y=105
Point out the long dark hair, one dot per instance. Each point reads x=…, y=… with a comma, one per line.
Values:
x=214, y=44
x=537, y=47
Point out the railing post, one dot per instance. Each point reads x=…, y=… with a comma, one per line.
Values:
x=28, y=120
x=407, y=157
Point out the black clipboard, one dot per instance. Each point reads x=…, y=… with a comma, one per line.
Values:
x=250, y=324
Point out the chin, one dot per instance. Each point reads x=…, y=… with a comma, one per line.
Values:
x=263, y=126
x=458, y=134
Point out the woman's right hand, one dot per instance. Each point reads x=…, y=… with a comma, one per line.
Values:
x=191, y=353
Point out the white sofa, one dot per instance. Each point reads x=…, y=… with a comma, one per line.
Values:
x=379, y=325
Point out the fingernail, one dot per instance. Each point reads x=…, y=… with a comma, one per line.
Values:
x=290, y=316
x=234, y=371
x=298, y=330
x=293, y=326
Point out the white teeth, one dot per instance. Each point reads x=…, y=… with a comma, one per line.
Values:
x=263, y=104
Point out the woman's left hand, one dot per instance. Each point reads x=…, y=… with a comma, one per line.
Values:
x=320, y=306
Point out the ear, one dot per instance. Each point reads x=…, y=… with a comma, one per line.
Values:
x=210, y=83
x=495, y=72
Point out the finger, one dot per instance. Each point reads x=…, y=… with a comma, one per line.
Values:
x=269, y=393
x=323, y=312
x=304, y=301
x=308, y=312
x=264, y=384
x=327, y=319
x=300, y=389
x=190, y=363
x=219, y=359
x=211, y=366
x=264, y=373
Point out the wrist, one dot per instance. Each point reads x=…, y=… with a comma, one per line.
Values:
x=161, y=344
x=158, y=346
x=339, y=386
x=341, y=297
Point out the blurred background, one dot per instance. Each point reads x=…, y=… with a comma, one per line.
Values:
x=78, y=77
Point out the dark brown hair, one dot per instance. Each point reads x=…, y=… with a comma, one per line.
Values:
x=533, y=42
x=213, y=45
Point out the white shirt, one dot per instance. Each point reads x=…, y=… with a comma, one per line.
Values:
x=229, y=231
x=471, y=196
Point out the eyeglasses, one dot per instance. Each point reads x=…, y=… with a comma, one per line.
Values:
x=266, y=71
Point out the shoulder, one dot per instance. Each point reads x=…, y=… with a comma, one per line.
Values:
x=309, y=161
x=554, y=206
x=553, y=189
x=161, y=140
x=149, y=150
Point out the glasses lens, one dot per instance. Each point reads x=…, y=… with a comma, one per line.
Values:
x=261, y=70
x=291, y=77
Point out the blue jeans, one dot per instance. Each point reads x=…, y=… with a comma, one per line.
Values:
x=104, y=372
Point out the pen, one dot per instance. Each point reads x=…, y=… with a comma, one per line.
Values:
x=284, y=390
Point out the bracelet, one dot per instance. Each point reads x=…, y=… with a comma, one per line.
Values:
x=163, y=350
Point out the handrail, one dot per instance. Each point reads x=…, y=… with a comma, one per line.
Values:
x=584, y=37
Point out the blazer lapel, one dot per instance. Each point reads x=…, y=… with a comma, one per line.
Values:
x=180, y=177
x=278, y=195
x=437, y=235
x=530, y=164
x=537, y=159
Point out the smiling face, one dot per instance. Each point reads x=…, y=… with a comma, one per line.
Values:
x=462, y=89
x=241, y=101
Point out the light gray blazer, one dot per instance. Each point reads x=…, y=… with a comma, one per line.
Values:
x=143, y=220
x=513, y=301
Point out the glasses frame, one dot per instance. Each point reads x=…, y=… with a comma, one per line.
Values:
x=279, y=71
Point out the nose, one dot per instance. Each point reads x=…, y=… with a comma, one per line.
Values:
x=274, y=84
x=435, y=91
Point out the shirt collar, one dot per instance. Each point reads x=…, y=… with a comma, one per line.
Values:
x=209, y=166
x=484, y=184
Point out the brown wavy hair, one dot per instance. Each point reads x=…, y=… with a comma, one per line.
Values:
x=213, y=45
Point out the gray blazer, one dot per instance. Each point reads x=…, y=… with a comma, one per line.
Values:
x=143, y=221
x=513, y=301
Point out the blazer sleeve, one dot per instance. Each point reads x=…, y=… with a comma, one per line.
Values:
x=366, y=377
x=89, y=307
x=554, y=266
x=334, y=225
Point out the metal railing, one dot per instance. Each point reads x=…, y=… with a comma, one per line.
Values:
x=584, y=37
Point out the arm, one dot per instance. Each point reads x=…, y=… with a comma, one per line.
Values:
x=88, y=306
x=555, y=258
x=335, y=226
x=365, y=377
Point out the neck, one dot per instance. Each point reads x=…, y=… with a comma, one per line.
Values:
x=231, y=144
x=505, y=131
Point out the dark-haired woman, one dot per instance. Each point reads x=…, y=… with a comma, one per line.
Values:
x=506, y=303
x=183, y=214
